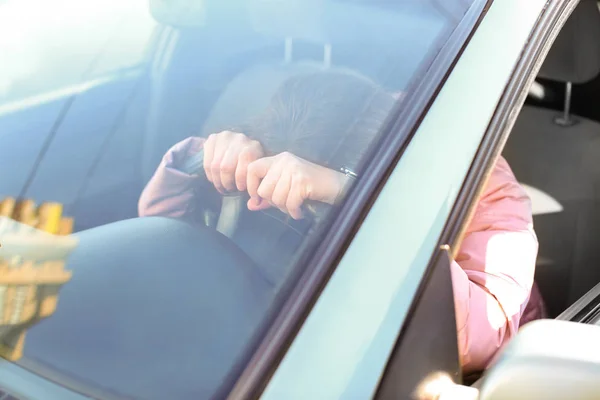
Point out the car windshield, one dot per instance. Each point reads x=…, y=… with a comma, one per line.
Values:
x=166, y=164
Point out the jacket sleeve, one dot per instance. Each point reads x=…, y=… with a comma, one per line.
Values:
x=493, y=271
x=170, y=190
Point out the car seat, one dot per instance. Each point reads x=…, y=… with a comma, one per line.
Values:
x=558, y=153
x=306, y=36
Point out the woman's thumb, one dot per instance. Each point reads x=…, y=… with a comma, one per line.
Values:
x=256, y=204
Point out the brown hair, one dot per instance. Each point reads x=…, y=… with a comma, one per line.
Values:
x=329, y=118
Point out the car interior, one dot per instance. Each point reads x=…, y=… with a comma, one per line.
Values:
x=554, y=149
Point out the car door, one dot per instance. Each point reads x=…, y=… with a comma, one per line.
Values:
x=384, y=322
x=367, y=285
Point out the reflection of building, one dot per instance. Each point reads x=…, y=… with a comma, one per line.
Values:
x=32, y=260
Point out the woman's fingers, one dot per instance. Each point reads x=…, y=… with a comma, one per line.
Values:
x=228, y=167
x=295, y=199
x=222, y=143
x=249, y=154
x=226, y=159
x=279, y=197
x=264, y=177
x=209, y=150
x=269, y=183
x=257, y=204
x=257, y=170
x=277, y=181
x=241, y=172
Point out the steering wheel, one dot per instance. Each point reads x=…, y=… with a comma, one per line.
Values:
x=232, y=203
x=206, y=292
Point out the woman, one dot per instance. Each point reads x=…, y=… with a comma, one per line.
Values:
x=317, y=125
x=294, y=153
x=493, y=271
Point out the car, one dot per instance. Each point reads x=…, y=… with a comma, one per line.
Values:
x=101, y=300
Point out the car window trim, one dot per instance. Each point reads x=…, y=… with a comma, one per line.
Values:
x=321, y=265
x=505, y=116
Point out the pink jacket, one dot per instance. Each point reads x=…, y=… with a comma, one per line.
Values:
x=170, y=191
x=492, y=274
x=493, y=271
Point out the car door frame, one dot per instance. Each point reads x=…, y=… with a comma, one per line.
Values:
x=534, y=52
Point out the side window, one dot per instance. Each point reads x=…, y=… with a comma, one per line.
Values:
x=427, y=343
x=553, y=149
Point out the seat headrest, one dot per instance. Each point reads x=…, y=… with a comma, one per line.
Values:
x=338, y=22
x=397, y=36
x=575, y=55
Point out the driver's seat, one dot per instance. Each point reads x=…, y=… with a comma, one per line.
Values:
x=244, y=97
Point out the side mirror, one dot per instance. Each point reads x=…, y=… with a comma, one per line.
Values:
x=548, y=359
x=179, y=13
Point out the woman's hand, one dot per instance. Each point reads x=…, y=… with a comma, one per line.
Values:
x=286, y=181
x=226, y=159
